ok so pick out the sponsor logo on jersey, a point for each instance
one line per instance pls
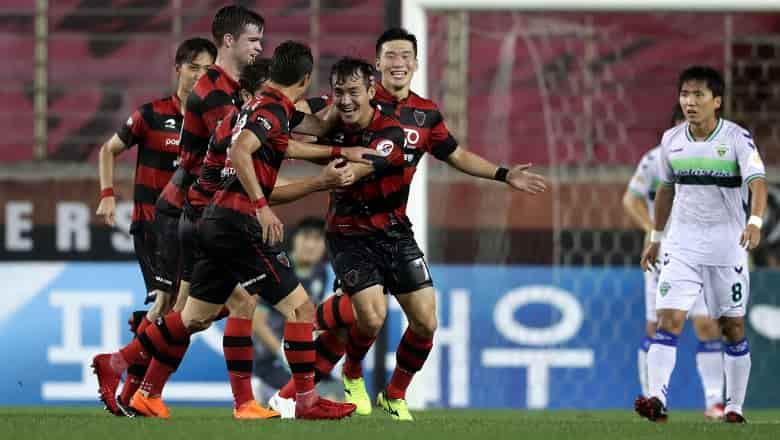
(663, 289)
(172, 141)
(412, 137)
(170, 123)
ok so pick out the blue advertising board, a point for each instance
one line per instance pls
(508, 337)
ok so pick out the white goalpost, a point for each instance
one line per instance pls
(413, 18)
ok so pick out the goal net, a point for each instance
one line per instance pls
(550, 292)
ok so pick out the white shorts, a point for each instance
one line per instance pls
(651, 290)
(725, 289)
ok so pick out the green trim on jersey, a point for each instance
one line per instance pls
(705, 164)
(709, 138)
(754, 177)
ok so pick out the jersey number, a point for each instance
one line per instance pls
(736, 292)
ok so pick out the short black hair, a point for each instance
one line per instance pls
(349, 67)
(189, 49)
(291, 62)
(232, 20)
(393, 34)
(707, 74)
(310, 224)
(677, 115)
(254, 75)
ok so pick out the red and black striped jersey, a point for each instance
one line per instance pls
(376, 201)
(154, 127)
(213, 96)
(423, 126)
(208, 182)
(210, 178)
(268, 117)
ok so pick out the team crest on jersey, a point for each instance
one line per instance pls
(281, 257)
(721, 150)
(419, 117)
(663, 289)
(384, 147)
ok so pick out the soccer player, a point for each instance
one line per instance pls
(239, 239)
(425, 132)
(154, 127)
(238, 33)
(307, 252)
(712, 173)
(638, 203)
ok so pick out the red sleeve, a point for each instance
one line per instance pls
(134, 129)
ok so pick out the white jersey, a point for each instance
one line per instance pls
(711, 198)
(645, 181)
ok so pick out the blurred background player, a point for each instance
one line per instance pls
(307, 252)
(638, 202)
(712, 173)
(154, 127)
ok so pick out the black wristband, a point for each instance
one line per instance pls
(501, 174)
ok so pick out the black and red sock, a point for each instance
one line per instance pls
(300, 354)
(410, 357)
(137, 370)
(239, 357)
(167, 341)
(358, 345)
(335, 312)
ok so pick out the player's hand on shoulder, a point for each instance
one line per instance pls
(107, 209)
(649, 259)
(521, 179)
(751, 237)
(273, 229)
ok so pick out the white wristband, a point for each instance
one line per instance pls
(755, 221)
(656, 236)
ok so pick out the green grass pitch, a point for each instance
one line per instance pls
(50, 423)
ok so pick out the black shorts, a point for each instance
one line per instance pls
(389, 258)
(232, 252)
(188, 243)
(145, 244)
(168, 250)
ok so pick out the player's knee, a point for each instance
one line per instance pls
(671, 322)
(424, 327)
(371, 323)
(733, 329)
(198, 324)
(305, 312)
(650, 328)
(242, 307)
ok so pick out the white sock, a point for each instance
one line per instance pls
(709, 362)
(660, 363)
(737, 366)
(641, 364)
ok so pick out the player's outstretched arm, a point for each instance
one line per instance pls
(317, 153)
(331, 176)
(636, 208)
(664, 198)
(751, 236)
(107, 206)
(241, 155)
(477, 166)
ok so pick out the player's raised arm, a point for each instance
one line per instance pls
(516, 177)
